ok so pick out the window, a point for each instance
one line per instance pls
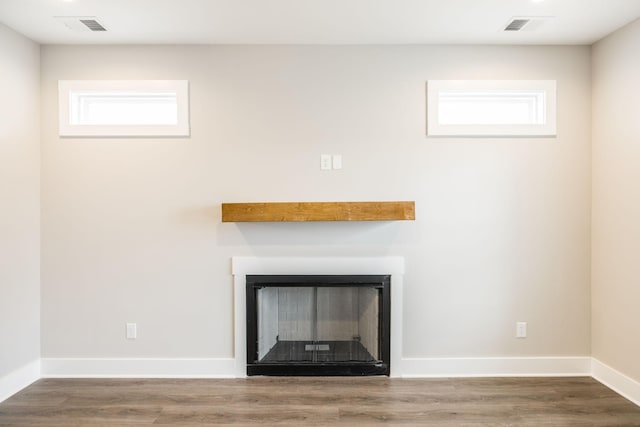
(491, 108)
(124, 107)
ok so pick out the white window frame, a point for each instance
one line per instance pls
(547, 127)
(66, 88)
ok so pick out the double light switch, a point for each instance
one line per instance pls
(329, 161)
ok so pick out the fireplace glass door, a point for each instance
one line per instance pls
(324, 324)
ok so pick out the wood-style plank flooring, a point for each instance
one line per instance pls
(319, 401)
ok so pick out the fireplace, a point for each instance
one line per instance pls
(243, 267)
(318, 324)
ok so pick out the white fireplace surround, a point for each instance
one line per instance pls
(242, 266)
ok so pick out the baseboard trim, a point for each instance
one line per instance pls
(409, 368)
(617, 381)
(18, 379)
(496, 367)
(137, 368)
(225, 367)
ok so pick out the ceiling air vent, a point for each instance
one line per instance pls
(526, 23)
(93, 25)
(81, 23)
(517, 24)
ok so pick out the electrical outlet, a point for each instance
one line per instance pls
(521, 329)
(132, 332)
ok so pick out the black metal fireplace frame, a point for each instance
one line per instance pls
(382, 367)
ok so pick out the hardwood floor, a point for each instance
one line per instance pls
(319, 401)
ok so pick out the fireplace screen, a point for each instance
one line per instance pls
(318, 325)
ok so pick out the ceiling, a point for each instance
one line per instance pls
(319, 21)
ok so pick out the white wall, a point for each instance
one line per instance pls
(131, 227)
(19, 204)
(616, 201)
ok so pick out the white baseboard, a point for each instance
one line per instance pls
(138, 368)
(225, 368)
(409, 368)
(16, 380)
(496, 367)
(616, 381)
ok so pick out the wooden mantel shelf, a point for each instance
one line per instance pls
(318, 211)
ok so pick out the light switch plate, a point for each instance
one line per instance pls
(337, 161)
(325, 162)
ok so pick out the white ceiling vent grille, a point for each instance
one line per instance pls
(517, 24)
(93, 25)
(81, 23)
(526, 23)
